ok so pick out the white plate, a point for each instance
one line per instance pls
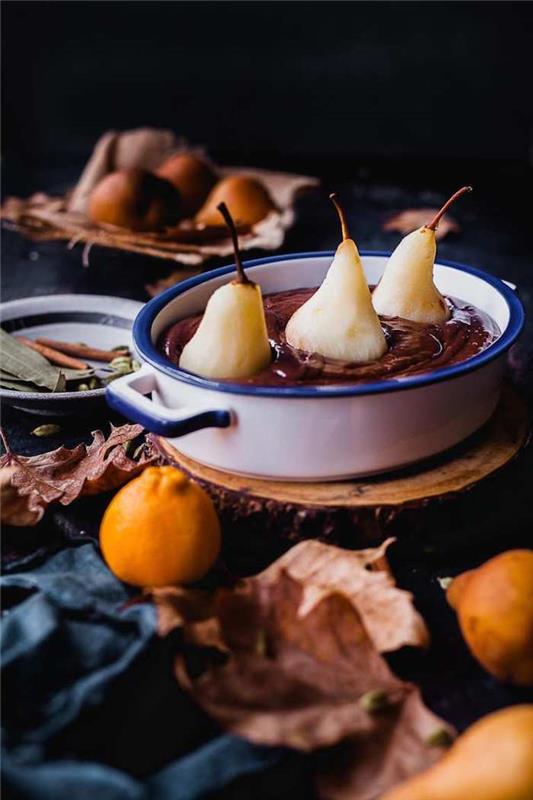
(100, 321)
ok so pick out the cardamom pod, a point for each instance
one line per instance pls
(46, 430)
(128, 448)
(138, 452)
(440, 738)
(374, 701)
(120, 362)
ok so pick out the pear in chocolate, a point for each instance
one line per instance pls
(406, 288)
(134, 199)
(247, 200)
(192, 176)
(231, 341)
(339, 321)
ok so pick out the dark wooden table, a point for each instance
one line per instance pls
(495, 237)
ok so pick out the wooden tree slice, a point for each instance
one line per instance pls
(457, 470)
(359, 512)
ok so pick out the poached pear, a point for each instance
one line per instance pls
(407, 289)
(231, 340)
(247, 200)
(339, 321)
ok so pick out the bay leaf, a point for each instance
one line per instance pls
(8, 375)
(70, 374)
(27, 365)
(15, 385)
(10, 381)
(77, 374)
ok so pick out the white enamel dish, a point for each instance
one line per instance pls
(324, 432)
(101, 321)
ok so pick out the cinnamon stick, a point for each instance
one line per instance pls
(54, 356)
(82, 350)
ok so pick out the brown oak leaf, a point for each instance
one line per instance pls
(306, 682)
(14, 507)
(291, 657)
(362, 576)
(63, 475)
(177, 606)
(413, 218)
(363, 768)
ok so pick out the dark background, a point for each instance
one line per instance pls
(393, 104)
(351, 80)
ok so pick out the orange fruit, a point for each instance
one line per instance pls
(160, 529)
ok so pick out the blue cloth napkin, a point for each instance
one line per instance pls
(71, 645)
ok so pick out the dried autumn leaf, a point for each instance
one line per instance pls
(290, 657)
(413, 218)
(107, 465)
(163, 283)
(362, 768)
(302, 682)
(14, 507)
(363, 577)
(177, 607)
(62, 475)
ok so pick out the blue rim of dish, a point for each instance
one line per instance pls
(142, 338)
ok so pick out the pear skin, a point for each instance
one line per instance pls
(494, 605)
(231, 341)
(136, 200)
(492, 760)
(407, 289)
(339, 321)
(247, 200)
(192, 176)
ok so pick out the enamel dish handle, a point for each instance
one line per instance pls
(127, 396)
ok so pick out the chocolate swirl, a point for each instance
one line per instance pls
(413, 348)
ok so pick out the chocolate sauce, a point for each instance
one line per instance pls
(413, 347)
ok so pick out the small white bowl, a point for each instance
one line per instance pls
(315, 433)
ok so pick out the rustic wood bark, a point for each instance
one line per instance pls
(361, 512)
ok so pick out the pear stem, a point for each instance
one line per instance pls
(342, 216)
(228, 219)
(439, 215)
